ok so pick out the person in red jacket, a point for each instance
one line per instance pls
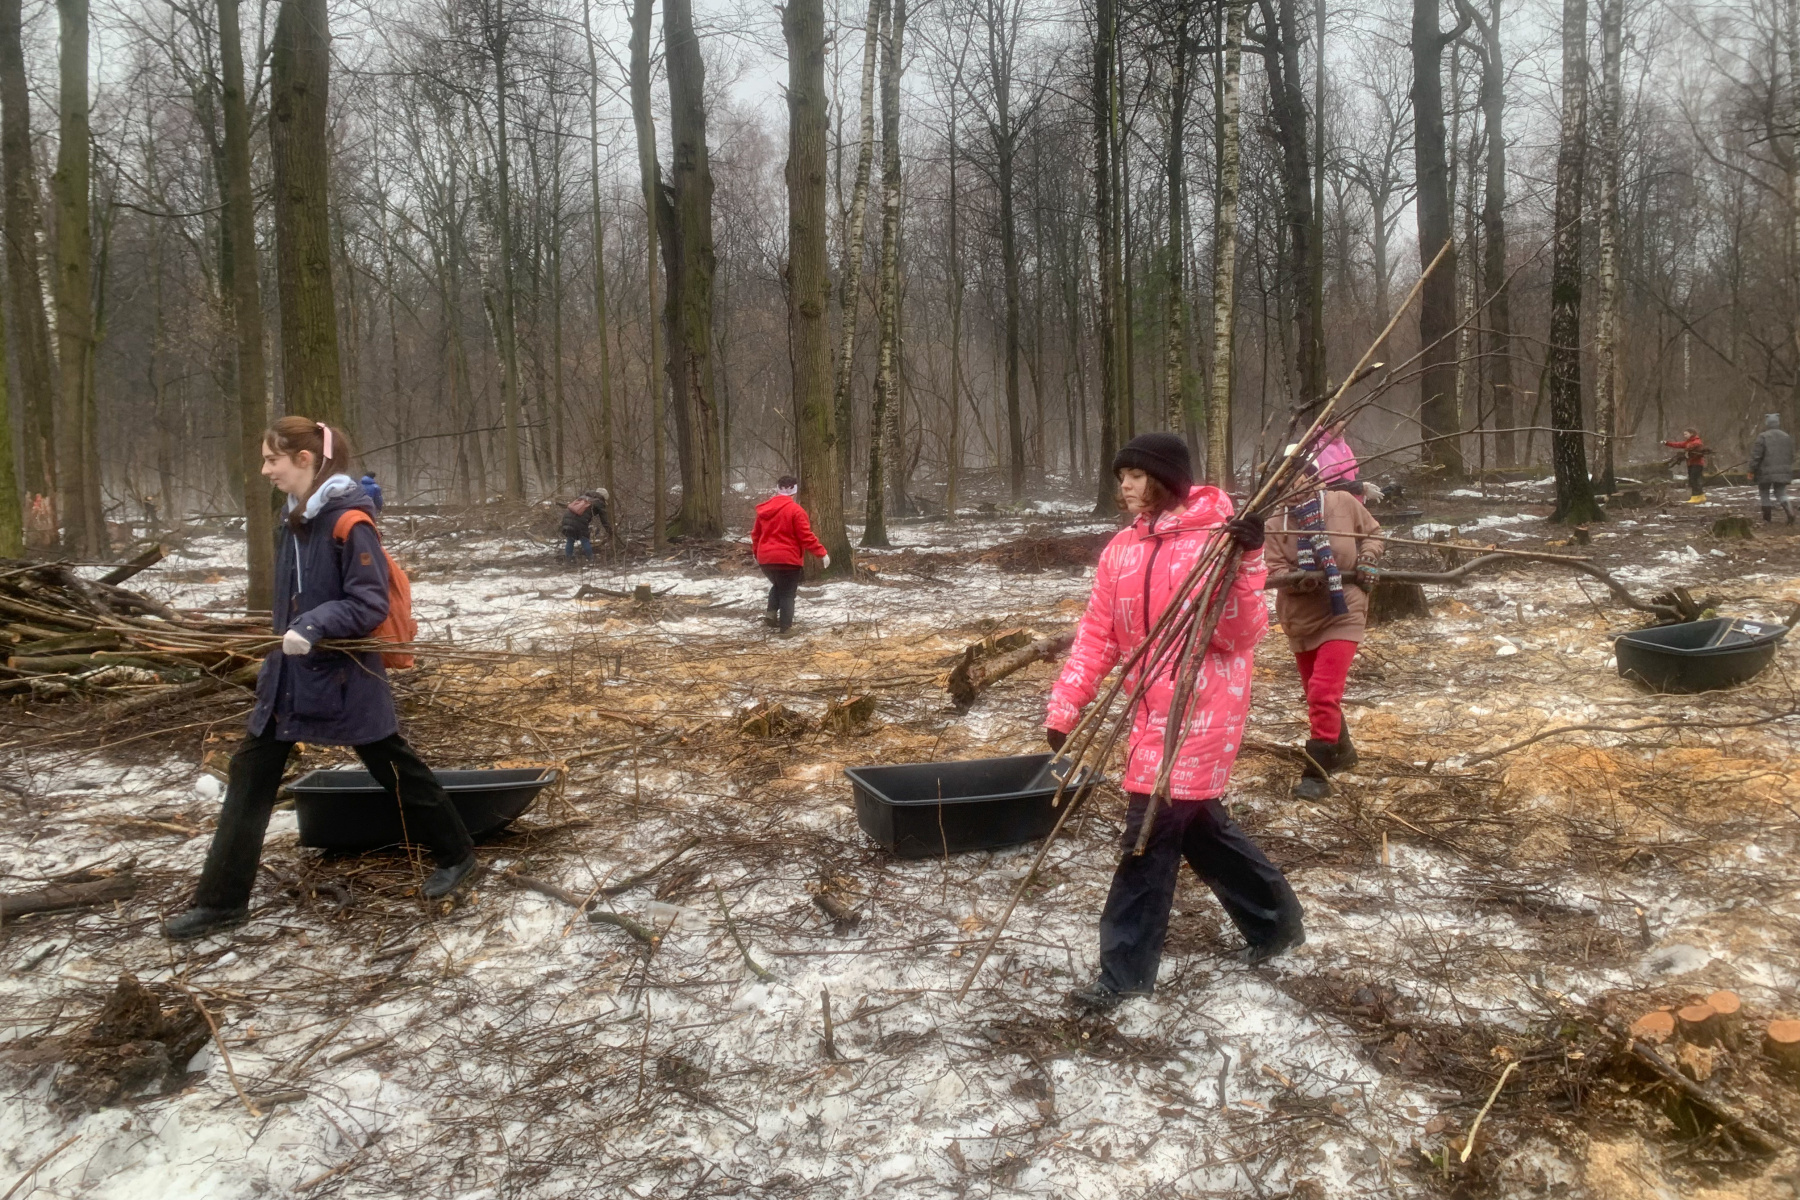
(781, 539)
(1695, 451)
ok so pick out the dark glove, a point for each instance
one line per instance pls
(1246, 531)
(1056, 738)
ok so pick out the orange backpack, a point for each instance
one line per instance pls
(399, 625)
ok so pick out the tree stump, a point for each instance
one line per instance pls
(1391, 601)
(1781, 1042)
(1699, 1024)
(1739, 528)
(849, 714)
(642, 593)
(1654, 1028)
(1731, 1012)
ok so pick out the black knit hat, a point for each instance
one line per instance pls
(1163, 457)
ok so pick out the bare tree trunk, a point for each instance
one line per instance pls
(1609, 386)
(606, 381)
(1001, 25)
(650, 174)
(1224, 298)
(1105, 225)
(1287, 101)
(84, 530)
(498, 35)
(1175, 264)
(299, 72)
(691, 291)
(809, 279)
(957, 287)
(246, 312)
(887, 309)
(1498, 313)
(24, 275)
(1562, 367)
(1437, 299)
(851, 261)
(1793, 181)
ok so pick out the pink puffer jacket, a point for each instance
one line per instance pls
(1138, 570)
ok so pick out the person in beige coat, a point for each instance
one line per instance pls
(1328, 538)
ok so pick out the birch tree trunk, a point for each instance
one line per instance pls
(1562, 366)
(809, 280)
(850, 263)
(1105, 226)
(499, 34)
(246, 311)
(24, 273)
(691, 290)
(84, 529)
(606, 381)
(887, 308)
(650, 175)
(956, 304)
(1224, 298)
(299, 73)
(1609, 386)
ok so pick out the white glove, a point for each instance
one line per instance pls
(825, 562)
(293, 643)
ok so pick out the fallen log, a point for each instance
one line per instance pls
(59, 897)
(975, 674)
(1456, 575)
(142, 562)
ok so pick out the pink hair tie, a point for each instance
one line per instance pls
(326, 431)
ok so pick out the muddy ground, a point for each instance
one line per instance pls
(1480, 912)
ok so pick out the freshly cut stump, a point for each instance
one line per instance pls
(1699, 1024)
(1394, 601)
(1730, 1008)
(1782, 1043)
(1654, 1028)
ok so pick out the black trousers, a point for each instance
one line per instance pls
(1254, 892)
(784, 582)
(1696, 479)
(429, 816)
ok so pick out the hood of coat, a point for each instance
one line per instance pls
(777, 502)
(331, 489)
(1207, 508)
(1772, 421)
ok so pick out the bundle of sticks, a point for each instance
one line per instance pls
(60, 632)
(1176, 645)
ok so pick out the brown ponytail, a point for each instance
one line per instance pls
(290, 436)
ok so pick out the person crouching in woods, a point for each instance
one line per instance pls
(578, 523)
(331, 581)
(1694, 451)
(1139, 571)
(781, 538)
(1327, 537)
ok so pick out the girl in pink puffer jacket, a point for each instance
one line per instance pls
(1138, 572)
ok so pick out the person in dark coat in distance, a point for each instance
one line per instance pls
(325, 588)
(578, 522)
(1772, 466)
(373, 490)
(781, 538)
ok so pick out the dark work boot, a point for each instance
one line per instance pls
(1291, 936)
(1346, 750)
(199, 922)
(1768, 513)
(1321, 760)
(445, 880)
(1096, 997)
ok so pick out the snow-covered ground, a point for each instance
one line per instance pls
(499, 1048)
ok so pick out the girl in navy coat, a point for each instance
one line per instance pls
(324, 588)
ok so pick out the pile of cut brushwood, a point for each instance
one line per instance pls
(65, 635)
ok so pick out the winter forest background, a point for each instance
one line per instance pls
(1070, 180)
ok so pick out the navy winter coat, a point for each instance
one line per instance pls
(328, 589)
